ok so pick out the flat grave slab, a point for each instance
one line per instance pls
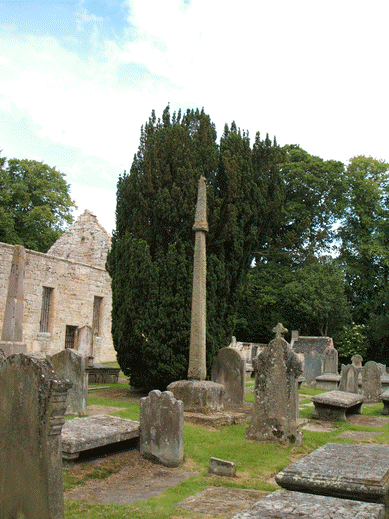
(82, 434)
(222, 501)
(296, 505)
(216, 419)
(336, 405)
(341, 470)
(368, 421)
(359, 435)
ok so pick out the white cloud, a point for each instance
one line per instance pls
(311, 73)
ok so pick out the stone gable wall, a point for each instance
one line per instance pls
(86, 241)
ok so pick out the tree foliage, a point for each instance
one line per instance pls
(265, 203)
(35, 204)
(364, 251)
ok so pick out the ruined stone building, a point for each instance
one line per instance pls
(60, 299)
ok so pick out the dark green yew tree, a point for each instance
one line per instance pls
(151, 260)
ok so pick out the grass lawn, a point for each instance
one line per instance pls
(256, 462)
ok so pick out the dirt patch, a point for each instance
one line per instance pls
(93, 410)
(135, 479)
(359, 435)
(368, 421)
(126, 393)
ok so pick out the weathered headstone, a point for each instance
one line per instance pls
(382, 368)
(85, 341)
(32, 404)
(12, 332)
(277, 369)
(229, 369)
(356, 361)
(71, 365)
(349, 379)
(330, 360)
(341, 470)
(297, 505)
(162, 428)
(313, 362)
(371, 382)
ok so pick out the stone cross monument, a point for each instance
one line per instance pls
(197, 365)
(198, 394)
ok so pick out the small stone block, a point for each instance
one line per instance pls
(335, 405)
(82, 434)
(296, 505)
(222, 467)
(341, 470)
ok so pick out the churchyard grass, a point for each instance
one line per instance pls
(256, 462)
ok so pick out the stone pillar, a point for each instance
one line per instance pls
(12, 334)
(197, 364)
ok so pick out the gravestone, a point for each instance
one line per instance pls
(277, 369)
(85, 341)
(229, 369)
(382, 368)
(341, 470)
(70, 365)
(330, 360)
(313, 362)
(356, 361)
(296, 505)
(349, 379)
(162, 428)
(32, 405)
(371, 382)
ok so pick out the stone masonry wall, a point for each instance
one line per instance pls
(74, 284)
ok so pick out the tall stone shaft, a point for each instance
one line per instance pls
(197, 365)
(13, 315)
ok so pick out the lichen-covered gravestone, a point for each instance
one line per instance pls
(32, 405)
(277, 369)
(371, 382)
(349, 379)
(330, 360)
(229, 369)
(356, 361)
(70, 365)
(313, 365)
(162, 428)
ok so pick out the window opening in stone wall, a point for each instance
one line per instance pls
(96, 315)
(45, 311)
(70, 336)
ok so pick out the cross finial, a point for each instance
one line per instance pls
(279, 330)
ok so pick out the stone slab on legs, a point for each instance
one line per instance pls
(336, 405)
(341, 470)
(82, 434)
(385, 400)
(328, 381)
(296, 505)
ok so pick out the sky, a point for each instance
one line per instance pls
(78, 79)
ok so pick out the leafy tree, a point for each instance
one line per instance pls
(307, 296)
(350, 341)
(364, 251)
(259, 207)
(35, 204)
